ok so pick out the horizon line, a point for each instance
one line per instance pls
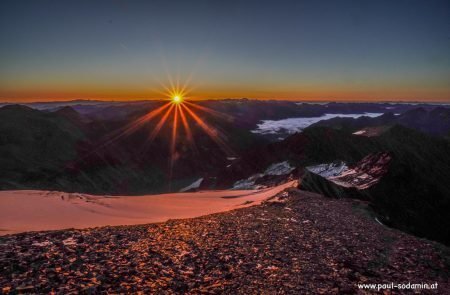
(106, 100)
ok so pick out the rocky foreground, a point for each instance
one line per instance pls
(296, 243)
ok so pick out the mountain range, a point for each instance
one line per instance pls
(398, 162)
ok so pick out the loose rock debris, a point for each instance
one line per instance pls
(297, 243)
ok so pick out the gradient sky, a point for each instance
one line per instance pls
(302, 50)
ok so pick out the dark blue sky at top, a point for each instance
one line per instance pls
(257, 47)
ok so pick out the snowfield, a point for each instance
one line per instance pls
(31, 210)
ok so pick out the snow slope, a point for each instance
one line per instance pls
(364, 174)
(31, 210)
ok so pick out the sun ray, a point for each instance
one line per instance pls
(185, 88)
(164, 93)
(161, 123)
(182, 112)
(174, 129)
(132, 127)
(126, 130)
(187, 129)
(210, 111)
(177, 80)
(156, 130)
(211, 132)
(173, 141)
(166, 69)
(198, 63)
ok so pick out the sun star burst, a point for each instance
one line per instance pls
(178, 109)
(177, 99)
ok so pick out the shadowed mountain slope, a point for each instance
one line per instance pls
(412, 195)
(34, 145)
(64, 150)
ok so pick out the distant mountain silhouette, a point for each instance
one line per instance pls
(433, 121)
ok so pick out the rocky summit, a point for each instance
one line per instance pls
(296, 243)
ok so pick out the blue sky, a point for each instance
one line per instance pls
(341, 50)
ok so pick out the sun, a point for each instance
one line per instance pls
(184, 113)
(177, 99)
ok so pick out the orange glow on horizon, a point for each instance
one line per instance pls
(308, 93)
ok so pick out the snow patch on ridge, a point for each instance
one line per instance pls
(281, 168)
(363, 175)
(328, 170)
(359, 132)
(194, 185)
(371, 131)
(277, 169)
